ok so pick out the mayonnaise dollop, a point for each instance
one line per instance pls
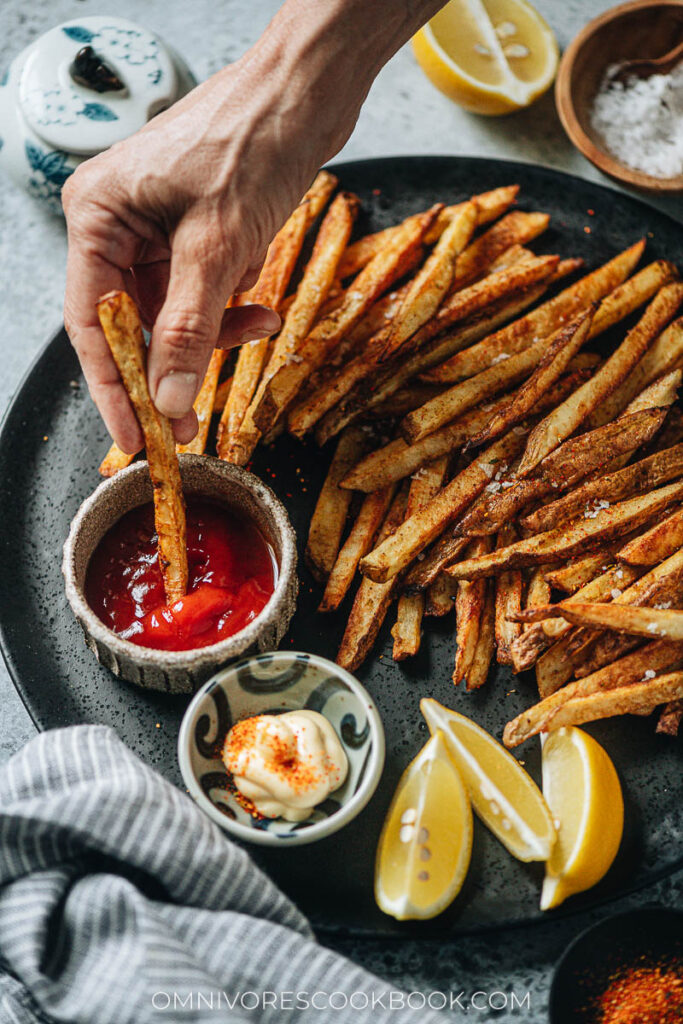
(285, 764)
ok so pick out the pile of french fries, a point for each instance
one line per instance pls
(488, 458)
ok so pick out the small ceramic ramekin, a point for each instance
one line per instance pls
(181, 671)
(272, 684)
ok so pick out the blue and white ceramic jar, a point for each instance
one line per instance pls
(77, 90)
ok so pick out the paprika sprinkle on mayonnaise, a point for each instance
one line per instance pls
(231, 576)
(285, 765)
(649, 994)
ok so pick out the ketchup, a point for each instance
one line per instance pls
(232, 574)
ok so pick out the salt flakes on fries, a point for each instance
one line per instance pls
(503, 467)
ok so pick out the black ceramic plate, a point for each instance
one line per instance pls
(52, 442)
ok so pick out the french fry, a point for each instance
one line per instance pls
(670, 718)
(358, 543)
(413, 536)
(605, 587)
(204, 404)
(574, 410)
(269, 290)
(508, 602)
(483, 655)
(394, 375)
(635, 699)
(652, 658)
(547, 547)
(120, 322)
(470, 601)
(515, 228)
(115, 460)
(427, 570)
(633, 620)
(490, 206)
(440, 596)
(581, 570)
(555, 667)
(431, 283)
(389, 264)
(636, 478)
(315, 285)
(528, 647)
(542, 321)
(538, 590)
(331, 510)
(561, 347)
(656, 544)
(221, 396)
(371, 603)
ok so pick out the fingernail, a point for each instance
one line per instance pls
(175, 393)
(253, 335)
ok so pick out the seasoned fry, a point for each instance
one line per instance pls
(389, 264)
(670, 718)
(425, 526)
(652, 658)
(548, 547)
(542, 321)
(528, 647)
(656, 544)
(426, 571)
(607, 586)
(269, 290)
(441, 596)
(490, 206)
(635, 699)
(358, 543)
(514, 228)
(470, 601)
(554, 667)
(567, 417)
(508, 602)
(631, 619)
(120, 322)
(483, 654)
(538, 590)
(115, 460)
(636, 478)
(329, 517)
(561, 347)
(407, 630)
(204, 404)
(315, 285)
(221, 396)
(371, 603)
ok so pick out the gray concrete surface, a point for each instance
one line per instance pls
(403, 114)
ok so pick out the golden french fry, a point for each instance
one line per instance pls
(427, 570)
(515, 228)
(358, 543)
(470, 601)
(656, 544)
(548, 547)
(407, 630)
(221, 396)
(490, 206)
(631, 619)
(386, 267)
(567, 417)
(115, 460)
(483, 654)
(508, 602)
(670, 718)
(652, 659)
(329, 517)
(538, 590)
(635, 699)
(204, 404)
(413, 536)
(440, 596)
(371, 603)
(120, 322)
(561, 347)
(542, 321)
(312, 292)
(555, 667)
(581, 570)
(269, 290)
(607, 586)
(528, 647)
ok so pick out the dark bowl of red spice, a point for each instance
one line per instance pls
(627, 969)
(242, 575)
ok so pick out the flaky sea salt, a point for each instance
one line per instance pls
(641, 121)
(650, 674)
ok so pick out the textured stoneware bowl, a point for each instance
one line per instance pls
(271, 684)
(181, 671)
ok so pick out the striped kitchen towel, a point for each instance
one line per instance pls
(121, 902)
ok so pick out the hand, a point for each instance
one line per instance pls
(180, 215)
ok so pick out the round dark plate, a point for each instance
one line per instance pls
(644, 937)
(51, 444)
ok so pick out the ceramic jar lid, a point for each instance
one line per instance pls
(90, 83)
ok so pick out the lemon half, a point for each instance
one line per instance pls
(426, 842)
(490, 56)
(583, 791)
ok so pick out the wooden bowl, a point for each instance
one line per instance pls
(645, 28)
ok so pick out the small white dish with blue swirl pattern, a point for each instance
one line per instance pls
(272, 684)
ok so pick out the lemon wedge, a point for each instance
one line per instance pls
(490, 56)
(504, 796)
(426, 842)
(582, 788)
